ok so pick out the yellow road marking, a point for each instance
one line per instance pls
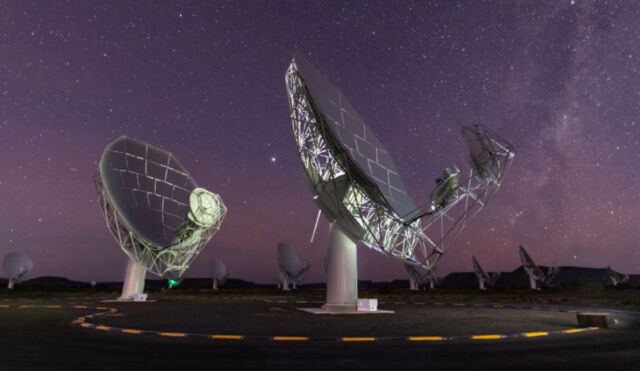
(86, 325)
(173, 334)
(573, 330)
(426, 338)
(103, 328)
(486, 337)
(358, 339)
(227, 337)
(130, 331)
(81, 307)
(5, 306)
(535, 334)
(290, 338)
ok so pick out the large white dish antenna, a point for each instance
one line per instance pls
(16, 266)
(359, 189)
(155, 211)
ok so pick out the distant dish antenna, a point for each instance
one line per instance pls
(219, 272)
(484, 279)
(418, 277)
(358, 187)
(16, 267)
(292, 269)
(616, 278)
(535, 273)
(155, 211)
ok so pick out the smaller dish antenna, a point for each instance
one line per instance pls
(616, 278)
(484, 279)
(292, 268)
(420, 277)
(535, 273)
(219, 272)
(16, 267)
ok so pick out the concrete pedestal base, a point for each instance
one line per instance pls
(335, 310)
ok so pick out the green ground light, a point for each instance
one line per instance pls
(173, 283)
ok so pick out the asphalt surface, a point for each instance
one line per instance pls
(41, 338)
(275, 318)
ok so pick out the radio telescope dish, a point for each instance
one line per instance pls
(16, 267)
(358, 187)
(616, 278)
(155, 211)
(535, 273)
(219, 272)
(292, 268)
(418, 277)
(484, 279)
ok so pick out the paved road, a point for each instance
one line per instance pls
(43, 339)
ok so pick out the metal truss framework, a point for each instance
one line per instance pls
(174, 259)
(419, 241)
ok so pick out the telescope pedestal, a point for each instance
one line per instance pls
(342, 272)
(342, 276)
(133, 284)
(285, 284)
(533, 283)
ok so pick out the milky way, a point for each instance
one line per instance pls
(205, 80)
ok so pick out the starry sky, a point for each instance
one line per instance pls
(205, 80)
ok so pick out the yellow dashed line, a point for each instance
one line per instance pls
(358, 339)
(426, 338)
(573, 330)
(535, 334)
(81, 321)
(227, 337)
(5, 306)
(130, 331)
(173, 334)
(486, 337)
(290, 338)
